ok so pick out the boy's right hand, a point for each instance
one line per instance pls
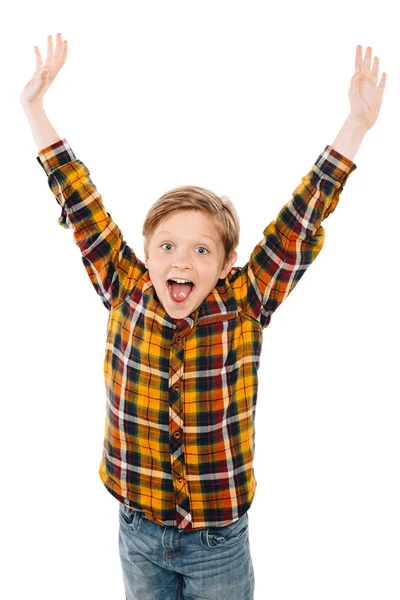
(42, 78)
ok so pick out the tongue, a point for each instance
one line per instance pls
(180, 291)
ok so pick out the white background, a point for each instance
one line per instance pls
(239, 97)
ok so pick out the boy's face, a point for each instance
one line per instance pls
(186, 245)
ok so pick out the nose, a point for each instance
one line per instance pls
(181, 261)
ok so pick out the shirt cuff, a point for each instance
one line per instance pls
(55, 155)
(333, 165)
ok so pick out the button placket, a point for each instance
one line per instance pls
(178, 467)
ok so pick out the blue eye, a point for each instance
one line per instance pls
(205, 251)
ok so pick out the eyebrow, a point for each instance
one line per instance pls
(200, 234)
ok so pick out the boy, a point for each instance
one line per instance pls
(183, 346)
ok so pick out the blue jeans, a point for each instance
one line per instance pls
(164, 563)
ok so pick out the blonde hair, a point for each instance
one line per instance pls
(189, 197)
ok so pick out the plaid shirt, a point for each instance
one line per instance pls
(181, 393)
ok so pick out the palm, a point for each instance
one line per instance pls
(364, 94)
(36, 88)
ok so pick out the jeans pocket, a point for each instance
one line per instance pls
(129, 518)
(230, 535)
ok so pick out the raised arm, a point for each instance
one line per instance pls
(112, 266)
(295, 238)
(365, 103)
(33, 93)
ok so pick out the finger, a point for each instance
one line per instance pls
(39, 60)
(367, 60)
(375, 70)
(61, 52)
(58, 45)
(358, 58)
(64, 50)
(50, 51)
(382, 84)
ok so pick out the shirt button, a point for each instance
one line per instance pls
(180, 478)
(177, 434)
(178, 340)
(176, 387)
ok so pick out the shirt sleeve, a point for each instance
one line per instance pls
(112, 266)
(293, 241)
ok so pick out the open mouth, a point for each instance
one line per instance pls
(180, 292)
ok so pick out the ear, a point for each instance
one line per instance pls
(145, 256)
(228, 266)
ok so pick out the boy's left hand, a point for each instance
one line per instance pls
(365, 96)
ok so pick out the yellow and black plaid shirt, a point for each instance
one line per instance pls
(181, 393)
